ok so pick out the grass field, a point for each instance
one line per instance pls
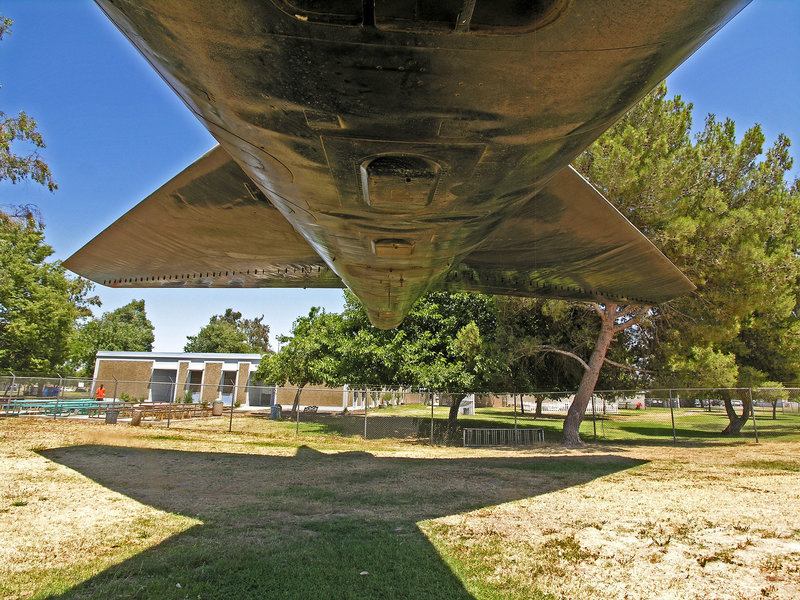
(95, 511)
(653, 426)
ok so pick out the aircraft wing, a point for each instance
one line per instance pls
(570, 242)
(209, 226)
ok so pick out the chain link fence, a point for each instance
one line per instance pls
(412, 414)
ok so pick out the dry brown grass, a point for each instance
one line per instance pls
(713, 523)
(688, 524)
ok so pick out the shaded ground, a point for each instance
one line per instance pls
(95, 511)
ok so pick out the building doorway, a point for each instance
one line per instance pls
(162, 385)
(226, 386)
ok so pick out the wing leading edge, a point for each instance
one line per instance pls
(210, 226)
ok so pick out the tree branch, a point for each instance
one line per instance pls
(638, 316)
(584, 364)
(627, 368)
(624, 312)
(597, 309)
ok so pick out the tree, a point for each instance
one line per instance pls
(307, 356)
(39, 303)
(16, 130)
(614, 319)
(125, 329)
(772, 392)
(230, 333)
(540, 343)
(721, 209)
(445, 344)
(257, 334)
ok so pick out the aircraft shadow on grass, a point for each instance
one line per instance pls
(308, 523)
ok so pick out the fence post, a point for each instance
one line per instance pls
(515, 417)
(10, 387)
(365, 415)
(753, 414)
(430, 396)
(233, 402)
(115, 391)
(672, 416)
(594, 419)
(55, 410)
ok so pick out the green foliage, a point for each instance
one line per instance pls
(125, 329)
(217, 336)
(444, 343)
(720, 208)
(705, 367)
(123, 397)
(5, 25)
(526, 325)
(308, 355)
(230, 333)
(21, 129)
(39, 303)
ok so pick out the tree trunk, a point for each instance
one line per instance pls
(774, 410)
(539, 401)
(521, 405)
(296, 405)
(570, 435)
(736, 422)
(455, 403)
(452, 416)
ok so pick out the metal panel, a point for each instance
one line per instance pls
(570, 242)
(285, 91)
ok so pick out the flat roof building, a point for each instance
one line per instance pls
(180, 377)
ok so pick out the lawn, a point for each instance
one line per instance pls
(652, 426)
(89, 510)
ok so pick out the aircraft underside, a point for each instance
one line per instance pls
(395, 148)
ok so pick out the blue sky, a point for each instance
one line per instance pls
(115, 133)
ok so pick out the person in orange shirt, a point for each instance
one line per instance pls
(100, 393)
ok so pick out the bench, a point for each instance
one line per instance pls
(502, 436)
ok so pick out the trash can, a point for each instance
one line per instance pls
(136, 418)
(111, 416)
(275, 412)
(216, 408)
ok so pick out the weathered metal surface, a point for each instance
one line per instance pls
(569, 242)
(209, 226)
(397, 142)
